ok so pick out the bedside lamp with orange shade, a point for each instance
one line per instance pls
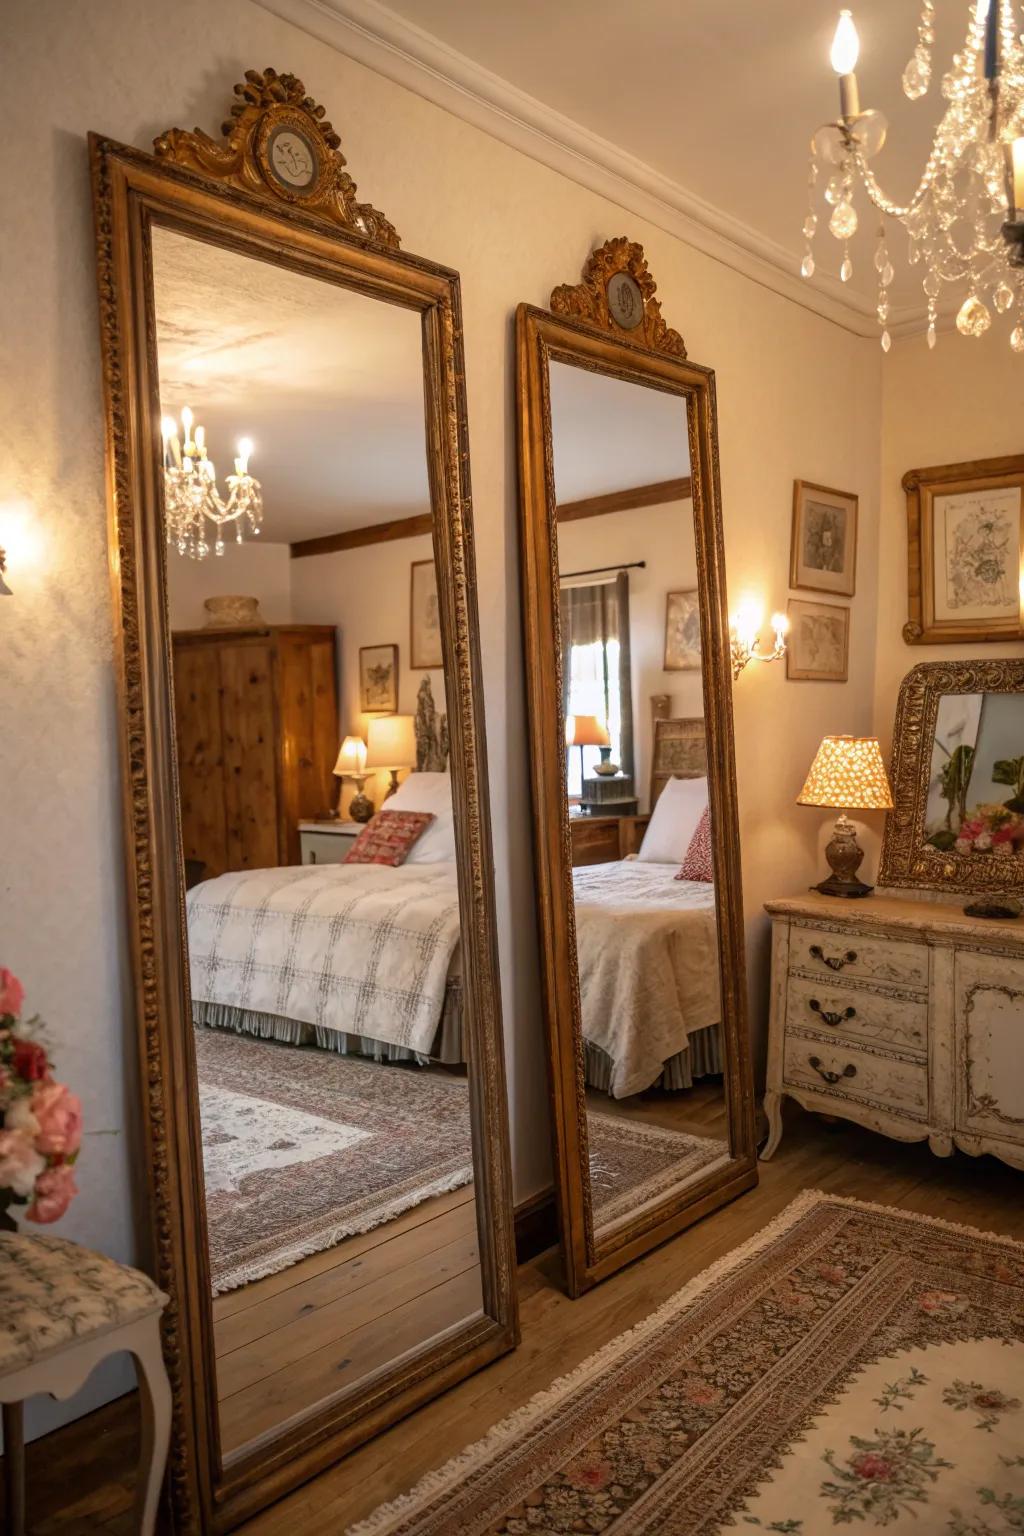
(391, 746)
(847, 775)
(585, 731)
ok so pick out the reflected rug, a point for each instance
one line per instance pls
(850, 1365)
(632, 1164)
(302, 1147)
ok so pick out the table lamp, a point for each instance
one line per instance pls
(848, 775)
(585, 731)
(391, 745)
(351, 764)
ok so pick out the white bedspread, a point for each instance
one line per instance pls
(648, 962)
(360, 948)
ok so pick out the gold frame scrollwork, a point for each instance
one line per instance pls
(581, 331)
(906, 860)
(215, 194)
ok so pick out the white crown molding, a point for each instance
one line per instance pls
(403, 52)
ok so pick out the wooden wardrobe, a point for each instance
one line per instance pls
(256, 712)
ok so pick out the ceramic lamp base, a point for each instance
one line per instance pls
(844, 855)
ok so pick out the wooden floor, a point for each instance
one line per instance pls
(299, 1337)
(700, 1111)
(92, 1456)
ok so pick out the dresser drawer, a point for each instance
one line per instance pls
(820, 951)
(857, 1013)
(852, 1072)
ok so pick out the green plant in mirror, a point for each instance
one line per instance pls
(1010, 770)
(954, 781)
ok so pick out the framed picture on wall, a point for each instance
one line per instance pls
(425, 617)
(378, 679)
(682, 632)
(818, 647)
(965, 547)
(823, 549)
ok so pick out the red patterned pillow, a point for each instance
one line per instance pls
(389, 837)
(699, 863)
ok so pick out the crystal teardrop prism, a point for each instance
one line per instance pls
(886, 341)
(807, 266)
(1017, 338)
(834, 189)
(931, 335)
(846, 270)
(917, 77)
(974, 318)
(887, 274)
(1003, 297)
(810, 225)
(843, 222)
(881, 258)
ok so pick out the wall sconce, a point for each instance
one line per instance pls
(744, 633)
(5, 590)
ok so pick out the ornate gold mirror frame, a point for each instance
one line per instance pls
(233, 195)
(583, 330)
(907, 860)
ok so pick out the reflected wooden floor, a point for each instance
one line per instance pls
(696, 1111)
(285, 1343)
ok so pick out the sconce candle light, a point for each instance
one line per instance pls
(745, 631)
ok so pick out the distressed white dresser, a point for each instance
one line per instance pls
(903, 1015)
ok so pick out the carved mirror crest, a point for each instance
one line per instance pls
(652, 1097)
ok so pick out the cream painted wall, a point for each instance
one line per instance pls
(798, 396)
(663, 536)
(963, 401)
(365, 593)
(249, 569)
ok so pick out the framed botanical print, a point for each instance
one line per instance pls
(682, 632)
(823, 551)
(425, 617)
(378, 679)
(818, 648)
(965, 547)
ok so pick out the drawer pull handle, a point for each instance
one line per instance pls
(832, 1077)
(834, 962)
(831, 1018)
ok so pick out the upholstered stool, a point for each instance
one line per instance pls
(62, 1310)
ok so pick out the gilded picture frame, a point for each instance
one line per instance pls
(965, 549)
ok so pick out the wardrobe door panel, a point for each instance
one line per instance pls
(250, 756)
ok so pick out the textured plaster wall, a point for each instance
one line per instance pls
(797, 397)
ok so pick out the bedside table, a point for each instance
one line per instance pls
(327, 842)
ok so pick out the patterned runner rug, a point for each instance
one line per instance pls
(850, 1365)
(632, 1164)
(302, 1147)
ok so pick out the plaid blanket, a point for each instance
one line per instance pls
(356, 947)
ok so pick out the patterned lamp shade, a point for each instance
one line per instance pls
(848, 774)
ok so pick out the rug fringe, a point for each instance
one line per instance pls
(260, 1269)
(387, 1516)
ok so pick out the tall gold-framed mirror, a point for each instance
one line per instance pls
(323, 1094)
(634, 799)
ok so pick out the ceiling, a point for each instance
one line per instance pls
(328, 384)
(721, 99)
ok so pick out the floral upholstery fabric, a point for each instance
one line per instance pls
(54, 1293)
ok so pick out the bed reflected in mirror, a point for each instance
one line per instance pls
(643, 875)
(323, 920)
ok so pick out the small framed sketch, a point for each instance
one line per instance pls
(378, 679)
(965, 526)
(818, 648)
(823, 551)
(682, 632)
(425, 618)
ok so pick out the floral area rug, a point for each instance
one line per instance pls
(302, 1147)
(633, 1164)
(851, 1365)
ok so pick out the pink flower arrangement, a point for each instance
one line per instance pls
(990, 829)
(40, 1119)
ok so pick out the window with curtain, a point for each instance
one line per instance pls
(596, 669)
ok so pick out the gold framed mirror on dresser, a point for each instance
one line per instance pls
(326, 1138)
(623, 586)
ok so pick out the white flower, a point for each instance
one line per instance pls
(963, 845)
(983, 842)
(19, 1116)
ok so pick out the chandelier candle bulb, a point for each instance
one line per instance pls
(845, 52)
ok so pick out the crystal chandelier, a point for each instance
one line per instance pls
(965, 221)
(191, 498)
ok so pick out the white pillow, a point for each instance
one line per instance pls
(428, 792)
(673, 822)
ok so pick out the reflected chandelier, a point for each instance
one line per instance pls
(191, 498)
(965, 221)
